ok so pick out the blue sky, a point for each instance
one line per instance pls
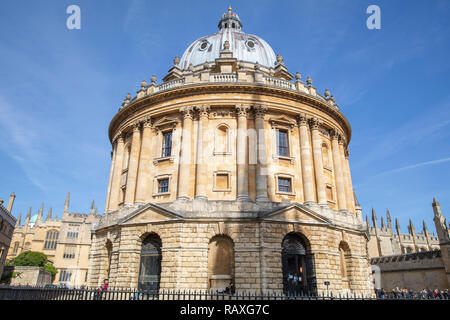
(59, 89)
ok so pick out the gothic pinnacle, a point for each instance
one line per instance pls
(66, 204)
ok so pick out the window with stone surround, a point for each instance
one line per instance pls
(282, 143)
(329, 191)
(167, 144)
(284, 184)
(16, 247)
(162, 185)
(65, 275)
(72, 231)
(51, 240)
(69, 252)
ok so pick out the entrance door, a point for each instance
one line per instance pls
(298, 274)
(150, 265)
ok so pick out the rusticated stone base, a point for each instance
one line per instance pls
(257, 236)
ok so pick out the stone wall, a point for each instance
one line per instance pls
(414, 271)
(33, 276)
(257, 254)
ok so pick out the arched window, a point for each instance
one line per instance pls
(51, 240)
(27, 246)
(325, 156)
(16, 247)
(408, 250)
(233, 25)
(344, 254)
(298, 265)
(221, 139)
(150, 264)
(220, 262)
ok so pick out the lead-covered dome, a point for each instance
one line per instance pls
(245, 47)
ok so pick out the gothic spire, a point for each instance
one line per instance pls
(66, 204)
(49, 215)
(18, 220)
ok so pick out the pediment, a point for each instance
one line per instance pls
(282, 120)
(165, 122)
(150, 213)
(296, 213)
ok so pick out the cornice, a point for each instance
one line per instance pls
(137, 105)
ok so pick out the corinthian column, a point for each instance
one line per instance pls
(143, 180)
(115, 186)
(338, 172)
(133, 164)
(261, 168)
(201, 179)
(241, 156)
(111, 170)
(185, 158)
(348, 181)
(318, 161)
(305, 154)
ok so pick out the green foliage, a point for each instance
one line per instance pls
(50, 268)
(30, 258)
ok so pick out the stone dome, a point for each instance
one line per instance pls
(245, 47)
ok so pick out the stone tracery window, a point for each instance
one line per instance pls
(51, 240)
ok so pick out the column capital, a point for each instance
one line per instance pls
(187, 112)
(260, 110)
(147, 122)
(136, 126)
(118, 137)
(314, 123)
(203, 110)
(302, 119)
(335, 135)
(242, 110)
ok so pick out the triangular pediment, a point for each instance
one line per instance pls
(166, 122)
(150, 213)
(296, 213)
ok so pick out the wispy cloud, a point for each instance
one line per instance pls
(413, 166)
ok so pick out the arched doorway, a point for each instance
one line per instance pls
(298, 266)
(150, 264)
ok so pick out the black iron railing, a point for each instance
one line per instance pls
(43, 293)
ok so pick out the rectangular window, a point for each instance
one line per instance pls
(16, 247)
(72, 232)
(284, 184)
(65, 275)
(163, 186)
(69, 252)
(167, 144)
(282, 143)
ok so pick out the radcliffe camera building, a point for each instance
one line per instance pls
(230, 170)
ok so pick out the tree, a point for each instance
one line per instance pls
(30, 258)
(50, 268)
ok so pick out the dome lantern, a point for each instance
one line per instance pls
(244, 47)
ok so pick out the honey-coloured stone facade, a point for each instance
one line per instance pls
(232, 154)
